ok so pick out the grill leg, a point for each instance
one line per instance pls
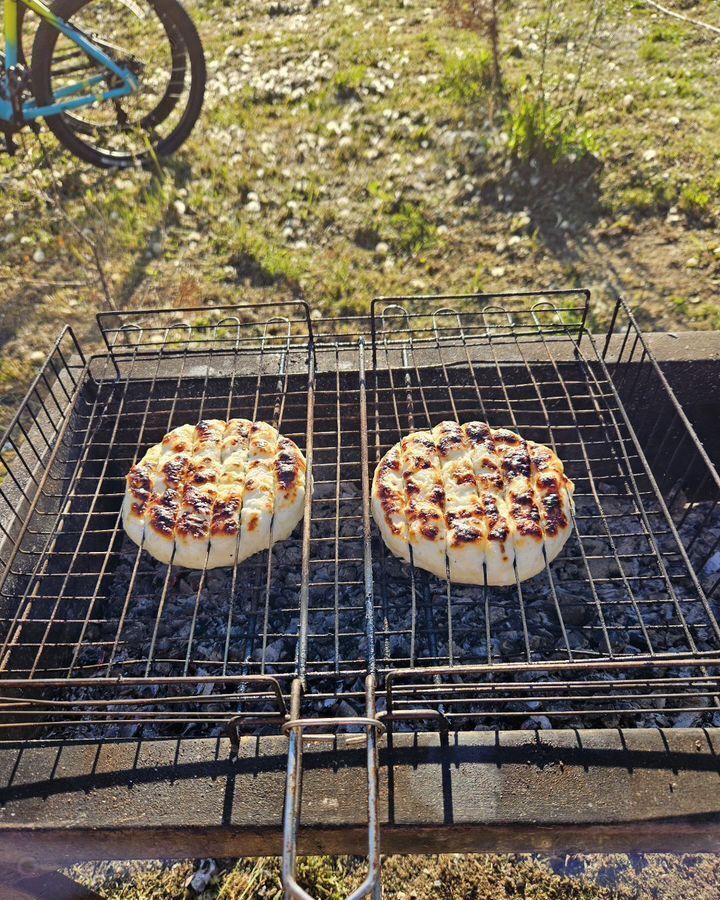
(14, 885)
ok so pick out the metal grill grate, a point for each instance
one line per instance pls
(96, 634)
(623, 592)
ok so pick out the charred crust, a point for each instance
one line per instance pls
(198, 475)
(478, 432)
(464, 533)
(507, 436)
(451, 439)
(430, 531)
(548, 481)
(411, 487)
(286, 468)
(555, 518)
(138, 481)
(529, 528)
(191, 525)
(517, 463)
(464, 478)
(423, 514)
(491, 508)
(163, 512)
(174, 469)
(437, 495)
(225, 516)
(253, 522)
(499, 533)
(205, 432)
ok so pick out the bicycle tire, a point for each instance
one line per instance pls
(62, 126)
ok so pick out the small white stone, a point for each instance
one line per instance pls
(497, 271)
(252, 196)
(8, 218)
(628, 101)
(692, 263)
(253, 206)
(382, 249)
(179, 207)
(37, 356)
(649, 155)
(673, 120)
(38, 256)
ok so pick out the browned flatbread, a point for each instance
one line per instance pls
(214, 493)
(477, 504)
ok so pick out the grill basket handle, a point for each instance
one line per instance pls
(293, 800)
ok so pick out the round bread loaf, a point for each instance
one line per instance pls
(214, 493)
(473, 503)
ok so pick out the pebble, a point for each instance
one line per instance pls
(37, 356)
(38, 256)
(649, 155)
(200, 880)
(253, 206)
(497, 271)
(692, 263)
(179, 207)
(382, 249)
(628, 101)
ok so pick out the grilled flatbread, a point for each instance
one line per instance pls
(214, 493)
(476, 504)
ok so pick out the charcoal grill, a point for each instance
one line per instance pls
(327, 641)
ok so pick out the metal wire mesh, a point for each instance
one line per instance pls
(623, 589)
(96, 633)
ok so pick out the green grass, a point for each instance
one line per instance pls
(427, 142)
(261, 261)
(467, 77)
(695, 203)
(413, 231)
(347, 82)
(537, 132)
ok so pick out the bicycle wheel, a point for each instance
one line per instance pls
(154, 38)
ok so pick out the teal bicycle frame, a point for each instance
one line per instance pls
(73, 96)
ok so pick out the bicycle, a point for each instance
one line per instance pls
(110, 105)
